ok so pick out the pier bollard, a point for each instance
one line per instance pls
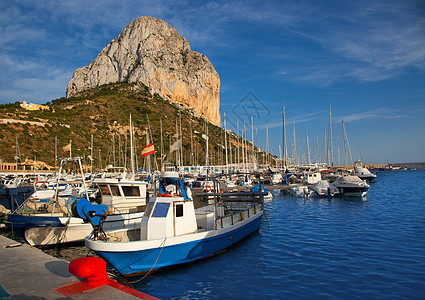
(92, 269)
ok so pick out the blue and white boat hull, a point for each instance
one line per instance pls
(143, 255)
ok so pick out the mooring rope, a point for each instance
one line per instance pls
(146, 275)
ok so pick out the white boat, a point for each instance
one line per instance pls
(350, 185)
(174, 232)
(276, 178)
(323, 189)
(362, 172)
(299, 191)
(312, 177)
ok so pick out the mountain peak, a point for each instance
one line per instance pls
(152, 52)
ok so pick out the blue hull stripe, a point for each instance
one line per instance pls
(128, 262)
(20, 223)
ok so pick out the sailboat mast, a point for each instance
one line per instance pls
(91, 154)
(252, 138)
(244, 146)
(230, 149)
(225, 143)
(317, 148)
(149, 163)
(345, 146)
(178, 150)
(239, 145)
(294, 152)
(206, 153)
(330, 138)
(181, 138)
(191, 142)
(348, 144)
(308, 147)
(56, 152)
(285, 151)
(119, 150)
(131, 149)
(162, 146)
(325, 159)
(113, 148)
(267, 142)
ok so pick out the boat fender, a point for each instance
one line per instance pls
(189, 193)
(91, 269)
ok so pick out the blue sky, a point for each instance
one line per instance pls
(365, 59)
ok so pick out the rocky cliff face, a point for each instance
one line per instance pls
(152, 52)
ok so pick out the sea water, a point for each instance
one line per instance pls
(340, 248)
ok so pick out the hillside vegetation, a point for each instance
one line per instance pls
(104, 113)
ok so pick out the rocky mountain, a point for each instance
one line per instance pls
(151, 52)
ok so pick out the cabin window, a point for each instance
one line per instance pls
(179, 210)
(115, 190)
(131, 191)
(104, 189)
(161, 210)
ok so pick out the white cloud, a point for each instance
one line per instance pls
(368, 41)
(380, 113)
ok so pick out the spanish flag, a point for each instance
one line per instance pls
(148, 150)
(67, 148)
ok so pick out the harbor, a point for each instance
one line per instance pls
(205, 150)
(307, 247)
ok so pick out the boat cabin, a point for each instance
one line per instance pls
(168, 217)
(123, 196)
(170, 214)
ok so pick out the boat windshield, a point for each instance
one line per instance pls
(161, 210)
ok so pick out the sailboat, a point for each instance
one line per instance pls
(349, 185)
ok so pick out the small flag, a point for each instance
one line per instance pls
(148, 150)
(176, 146)
(67, 148)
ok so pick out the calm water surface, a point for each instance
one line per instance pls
(370, 248)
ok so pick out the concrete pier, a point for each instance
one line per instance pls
(27, 272)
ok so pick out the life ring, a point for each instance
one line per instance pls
(164, 195)
(208, 188)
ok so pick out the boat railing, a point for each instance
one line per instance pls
(233, 207)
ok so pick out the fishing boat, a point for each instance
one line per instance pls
(47, 222)
(173, 232)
